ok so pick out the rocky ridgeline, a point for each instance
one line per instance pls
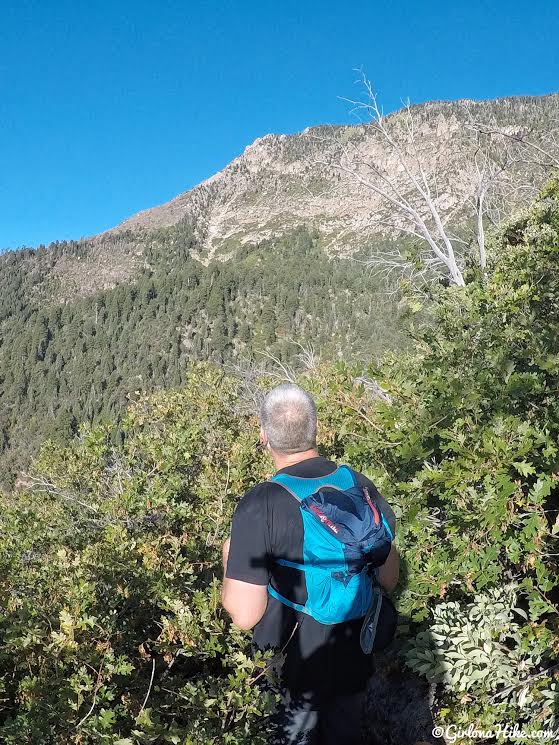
(284, 180)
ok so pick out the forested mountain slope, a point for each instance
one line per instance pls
(66, 362)
(253, 259)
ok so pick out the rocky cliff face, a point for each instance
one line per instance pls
(283, 180)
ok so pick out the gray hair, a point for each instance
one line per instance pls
(288, 418)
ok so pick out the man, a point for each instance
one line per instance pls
(324, 672)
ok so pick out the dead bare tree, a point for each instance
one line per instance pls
(414, 200)
(408, 191)
(502, 158)
(252, 376)
(492, 187)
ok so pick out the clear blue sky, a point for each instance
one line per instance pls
(107, 108)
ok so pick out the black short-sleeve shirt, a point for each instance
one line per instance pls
(267, 525)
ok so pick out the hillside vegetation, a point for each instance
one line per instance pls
(111, 630)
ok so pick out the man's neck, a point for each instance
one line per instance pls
(284, 460)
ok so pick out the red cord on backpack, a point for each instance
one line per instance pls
(371, 505)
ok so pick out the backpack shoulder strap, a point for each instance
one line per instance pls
(352, 473)
(283, 479)
(342, 478)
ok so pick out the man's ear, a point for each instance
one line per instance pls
(263, 438)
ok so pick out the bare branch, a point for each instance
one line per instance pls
(549, 158)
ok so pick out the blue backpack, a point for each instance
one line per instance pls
(345, 539)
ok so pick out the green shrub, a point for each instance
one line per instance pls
(111, 629)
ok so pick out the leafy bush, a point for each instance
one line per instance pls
(474, 645)
(469, 448)
(111, 625)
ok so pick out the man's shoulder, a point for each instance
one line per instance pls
(363, 480)
(254, 497)
(254, 500)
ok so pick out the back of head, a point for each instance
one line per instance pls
(288, 419)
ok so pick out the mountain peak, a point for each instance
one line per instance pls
(282, 180)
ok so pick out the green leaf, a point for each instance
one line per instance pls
(524, 468)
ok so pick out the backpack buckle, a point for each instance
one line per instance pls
(343, 577)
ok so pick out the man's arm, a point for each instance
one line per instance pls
(389, 572)
(244, 601)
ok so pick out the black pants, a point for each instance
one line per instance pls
(339, 721)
